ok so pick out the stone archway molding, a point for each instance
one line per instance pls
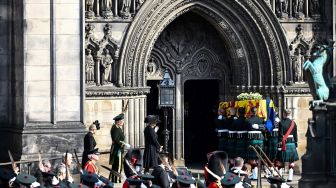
(263, 44)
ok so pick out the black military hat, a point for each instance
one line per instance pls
(133, 181)
(230, 179)
(146, 177)
(275, 180)
(185, 180)
(25, 179)
(152, 119)
(6, 175)
(89, 178)
(119, 117)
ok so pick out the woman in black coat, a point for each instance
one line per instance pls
(89, 144)
(152, 146)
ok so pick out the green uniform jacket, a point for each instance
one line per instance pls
(117, 135)
(284, 126)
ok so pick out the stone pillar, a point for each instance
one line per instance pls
(315, 163)
(130, 123)
(290, 11)
(137, 131)
(179, 143)
(142, 119)
(307, 9)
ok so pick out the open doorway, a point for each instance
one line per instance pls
(200, 110)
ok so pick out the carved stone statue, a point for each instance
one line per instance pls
(315, 7)
(320, 89)
(138, 4)
(89, 67)
(298, 9)
(105, 67)
(298, 60)
(151, 66)
(107, 9)
(89, 8)
(283, 8)
(125, 9)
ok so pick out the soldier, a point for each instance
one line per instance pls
(222, 131)
(232, 134)
(89, 143)
(24, 180)
(289, 139)
(5, 176)
(90, 165)
(117, 146)
(255, 136)
(241, 126)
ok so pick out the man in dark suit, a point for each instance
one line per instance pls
(117, 146)
(89, 144)
(160, 175)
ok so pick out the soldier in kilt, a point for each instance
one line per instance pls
(232, 134)
(241, 127)
(221, 129)
(272, 140)
(255, 135)
(288, 138)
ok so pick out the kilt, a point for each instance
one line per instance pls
(231, 144)
(291, 154)
(241, 144)
(272, 145)
(222, 135)
(254, 138)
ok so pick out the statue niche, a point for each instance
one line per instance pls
(89, 68)
(298, 9)
(105, 68)
(315, 9)
(297, 61)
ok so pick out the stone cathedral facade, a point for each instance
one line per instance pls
(67, 63)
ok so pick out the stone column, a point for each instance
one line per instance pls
(179, 157)
(130, 122)
(136, 122)
(307, 9)
(142, 109)
(290, 12)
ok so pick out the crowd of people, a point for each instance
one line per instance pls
(233, 165)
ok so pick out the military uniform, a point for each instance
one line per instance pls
(290, 154)
(272, 141)
(117, 148)
(255, 136)
(241, 128)
(232, 137)
(222, 132)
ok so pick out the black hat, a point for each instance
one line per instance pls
(25, 179)
(119, 117)
(89, 178)
(185, 180)
(6, 174)
(287, 111)
(275, 180)
(152, 119)
(215, 161)
(230, 179)
(146, 177)
(132, 181)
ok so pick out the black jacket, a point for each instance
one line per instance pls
(160, 177)
(89, 145)
(152, 148)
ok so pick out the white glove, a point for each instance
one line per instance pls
(55, 181)
(255, 126)
(35, 184)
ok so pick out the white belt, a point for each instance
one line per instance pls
(222, 130)
(232, 132)
(276, 129)
(254, 132)
(241, 132)
(290, 136)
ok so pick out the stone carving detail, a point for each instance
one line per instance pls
(100, 57)
(112, 9)
(161, 13)
(154, 69)
(282, 8)
(298, 9)
(315, 9)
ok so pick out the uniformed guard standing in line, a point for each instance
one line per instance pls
(255, 137)
(241, 126)
(232, 135)
(272, 140)
(222, 131)
(288, 138)
(117, 146)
